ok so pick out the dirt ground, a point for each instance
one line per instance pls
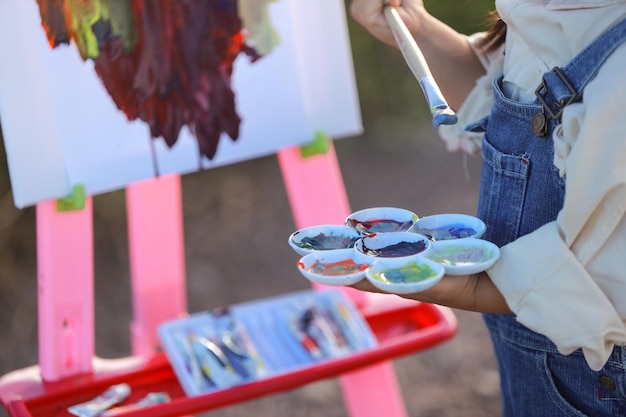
(237, 220)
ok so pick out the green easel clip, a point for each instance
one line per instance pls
(76, 201)
(319, 145)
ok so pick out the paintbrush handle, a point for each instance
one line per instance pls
(442, 114)
(411, 52)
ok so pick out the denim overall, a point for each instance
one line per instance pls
(520, 191)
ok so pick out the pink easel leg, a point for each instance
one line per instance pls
(317, 195)
(65, 284)
(157, 258)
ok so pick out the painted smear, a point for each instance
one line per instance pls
(409, 273)
(459, 255)
(396, 250)
(167, 63)
(259, 30)
(380, 226)
(447, 232)
(343, 267)
(324, 241)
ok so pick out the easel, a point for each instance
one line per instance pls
(66, 310)
(68, 372)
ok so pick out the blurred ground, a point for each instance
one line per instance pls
(223, 205)
(398, 161)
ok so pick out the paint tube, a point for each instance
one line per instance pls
(152, 398)
(113, 395)
(214, 363)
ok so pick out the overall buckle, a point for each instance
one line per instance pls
(541, 92)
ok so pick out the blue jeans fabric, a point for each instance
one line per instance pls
(537, 381)
(521, 191)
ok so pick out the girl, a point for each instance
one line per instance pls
(542, 95)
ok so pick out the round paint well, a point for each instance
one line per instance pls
(449, 226)
(392, 245)
(322, 238)
(404, 275)
(464, 256)
(381, 220)
(334, 267)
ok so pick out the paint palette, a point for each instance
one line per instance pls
(322, 238)
(404, 275)
(381, 220)
(449, 226)
(334, 267)
(464, 256)
(394, 249)
(392, 245)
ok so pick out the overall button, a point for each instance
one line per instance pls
(607, 382)
(539, 125)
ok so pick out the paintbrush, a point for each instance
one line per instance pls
(442, 113)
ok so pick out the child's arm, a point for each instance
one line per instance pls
(451, 59)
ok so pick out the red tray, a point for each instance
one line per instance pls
(400, 326)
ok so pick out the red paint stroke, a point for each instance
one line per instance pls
(177, 69)
(343, 267)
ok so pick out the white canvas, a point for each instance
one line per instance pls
(61, 128)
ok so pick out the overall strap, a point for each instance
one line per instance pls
(563, 86)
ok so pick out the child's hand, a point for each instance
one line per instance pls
(369, 13)
(465, 292)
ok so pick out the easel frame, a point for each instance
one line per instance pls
(310, 182)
